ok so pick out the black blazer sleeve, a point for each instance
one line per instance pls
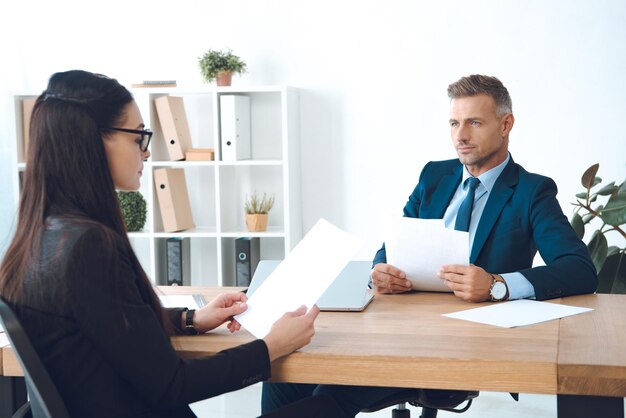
(110, 311)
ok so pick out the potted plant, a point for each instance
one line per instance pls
(257, 211)
(609, 261)
(220, 66)
(133, 207)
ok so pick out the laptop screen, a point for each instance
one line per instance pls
(348, 292)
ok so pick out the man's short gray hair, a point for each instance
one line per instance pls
(482, 84)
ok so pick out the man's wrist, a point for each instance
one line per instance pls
(497, 292)
(508, 295)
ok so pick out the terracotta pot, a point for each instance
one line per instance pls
(257, 222)
(224, 78)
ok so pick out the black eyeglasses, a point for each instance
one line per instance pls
(146, 135)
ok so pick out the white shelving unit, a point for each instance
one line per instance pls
(217, 189)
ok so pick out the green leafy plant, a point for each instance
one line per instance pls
(133, 207)
(610, 261)
(256, 205)
(214, 62)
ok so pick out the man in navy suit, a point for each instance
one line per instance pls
(514, 212)
(510, 214)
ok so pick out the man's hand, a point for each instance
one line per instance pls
(470, 283)
(389, 279)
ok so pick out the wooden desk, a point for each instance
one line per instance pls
(582, 358)
(13, 388)
(592, 357)
(4, 341)
(403, 341)
(8, 361)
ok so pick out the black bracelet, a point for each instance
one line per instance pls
(189, 328)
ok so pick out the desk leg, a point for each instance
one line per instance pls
(579, 406)
(12, 395)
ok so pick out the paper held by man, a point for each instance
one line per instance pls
(419, 247)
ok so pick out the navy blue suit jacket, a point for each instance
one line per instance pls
(521, 216)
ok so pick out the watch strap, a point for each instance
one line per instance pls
(189, 328)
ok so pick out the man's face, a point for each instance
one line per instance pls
(480, 136)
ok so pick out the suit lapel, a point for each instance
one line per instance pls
(499, 196)
(445, 190)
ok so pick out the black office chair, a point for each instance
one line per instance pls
(430, 400)
(45, 400)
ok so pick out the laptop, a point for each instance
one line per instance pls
(348, 292)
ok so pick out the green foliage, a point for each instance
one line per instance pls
(610, 262)
(254, 205)
(134, 211)
(216, 61)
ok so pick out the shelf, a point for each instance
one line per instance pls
(272, 232)
(251, 163)
(139, 234)
(216, 189)
(251, 89)
(182, 164)
(185, 164)
(198, 232)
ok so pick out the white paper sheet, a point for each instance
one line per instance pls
(182, 301)
(419, 247)
(517, 313)
(4, 339)
(301, 278)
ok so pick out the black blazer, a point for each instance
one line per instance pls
(521, 216)
(89, 319)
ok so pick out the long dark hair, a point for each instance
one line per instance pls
(67, 171)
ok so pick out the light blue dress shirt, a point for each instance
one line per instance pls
(519, 286)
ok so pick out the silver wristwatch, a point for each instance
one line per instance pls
(498, 291)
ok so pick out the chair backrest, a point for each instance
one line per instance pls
(45, 400)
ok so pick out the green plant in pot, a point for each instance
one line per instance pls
(133, 207)
(220, 66)
(257, 211)
(610, 261)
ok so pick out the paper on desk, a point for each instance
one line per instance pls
(4, 339)
(419, 247)
(517, 313)
(301, 278)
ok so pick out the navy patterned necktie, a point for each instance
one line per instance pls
(465, 211)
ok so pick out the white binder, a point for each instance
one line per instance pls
(235, 127)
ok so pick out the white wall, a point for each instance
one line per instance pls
(373, 76)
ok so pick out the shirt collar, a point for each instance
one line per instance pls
(489, 177)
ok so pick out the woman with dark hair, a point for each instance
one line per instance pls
(78, 288)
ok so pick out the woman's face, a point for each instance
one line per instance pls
(123, 152)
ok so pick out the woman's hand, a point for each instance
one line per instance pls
(221, 309)
(292, 331)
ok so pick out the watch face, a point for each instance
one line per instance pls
(498, 291)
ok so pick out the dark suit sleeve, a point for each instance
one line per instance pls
(174, 315)
(125, 331)
(569, 269)
(411, 210)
